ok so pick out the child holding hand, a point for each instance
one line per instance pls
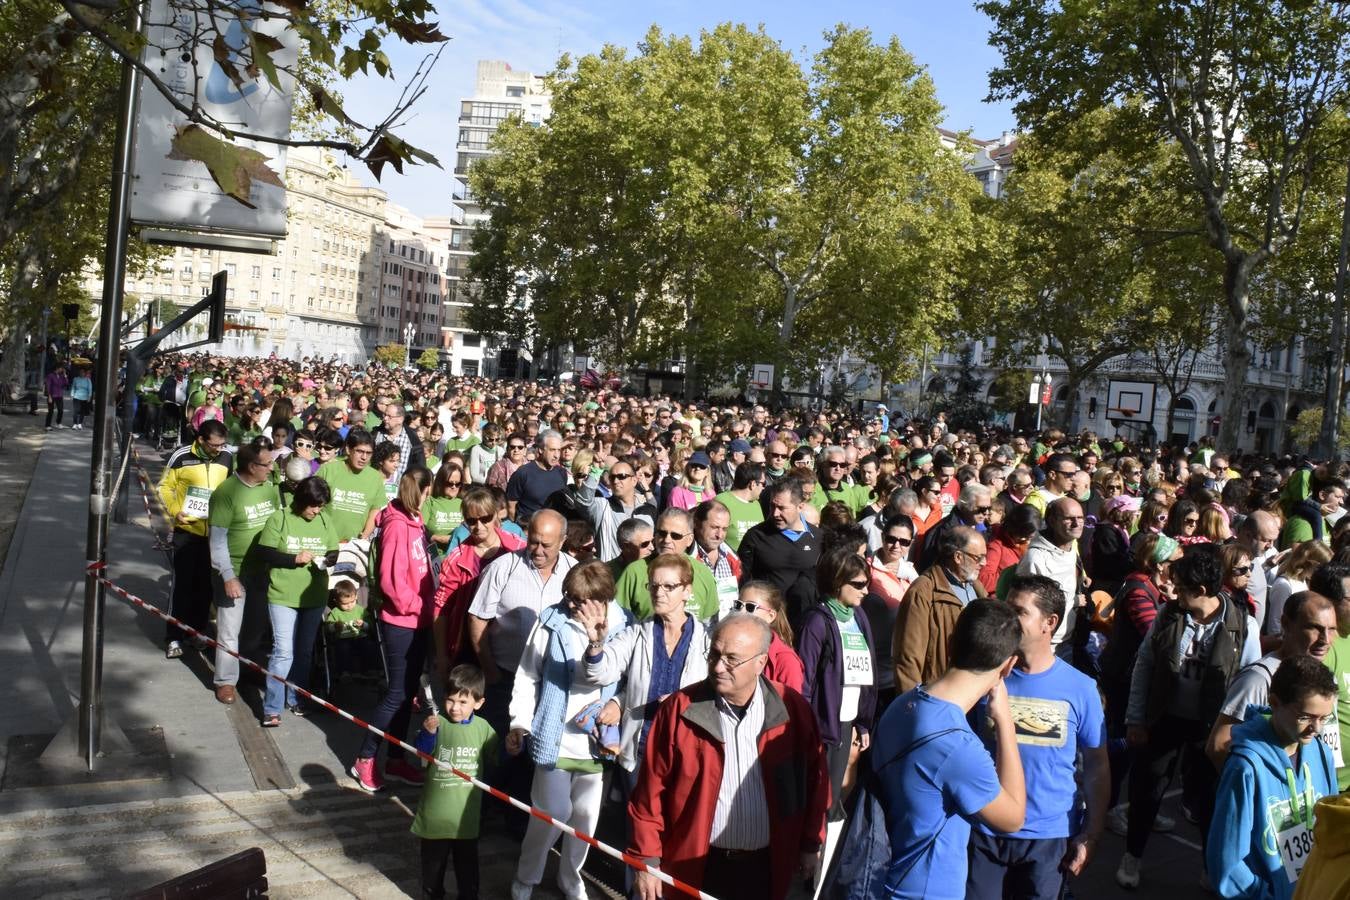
(448, 812)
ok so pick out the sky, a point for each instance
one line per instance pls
(949, 37)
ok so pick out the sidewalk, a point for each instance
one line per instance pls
(322, 837)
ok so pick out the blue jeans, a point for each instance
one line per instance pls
(405, 654)
(293, 634)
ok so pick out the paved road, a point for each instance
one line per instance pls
(322, 839)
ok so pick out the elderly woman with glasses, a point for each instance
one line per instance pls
(652, 658)
(556, 719)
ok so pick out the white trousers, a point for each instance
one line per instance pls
(571, 797)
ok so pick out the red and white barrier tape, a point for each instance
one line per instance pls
(633, 861)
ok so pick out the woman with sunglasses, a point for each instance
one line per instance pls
(500, 472)
(485, 540)
(891, 571)
(326, 446)
(1183, 523)
(764, 601)
(695, 485)
(444, 510)
(928, 512)
(839, 658)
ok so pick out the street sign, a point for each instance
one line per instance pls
(1035, 393)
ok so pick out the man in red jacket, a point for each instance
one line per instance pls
(733, 790)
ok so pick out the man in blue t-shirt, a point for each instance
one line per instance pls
(1056, 713)
(935, 775)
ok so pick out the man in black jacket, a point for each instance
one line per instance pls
(783, 549)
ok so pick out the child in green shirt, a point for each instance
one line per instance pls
(448, 812)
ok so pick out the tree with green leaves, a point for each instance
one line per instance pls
(428, 360)
(1068, 275)
(1244, 89)
(391, 355)
(711, 198)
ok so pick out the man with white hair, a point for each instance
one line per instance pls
(971, 509)
(537, 480)
(391, 431)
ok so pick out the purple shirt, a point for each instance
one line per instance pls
(56, 385)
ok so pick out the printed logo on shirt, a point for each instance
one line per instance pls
(254, 513)
(350, 501)
(1040, 722)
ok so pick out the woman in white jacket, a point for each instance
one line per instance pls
(651, 659)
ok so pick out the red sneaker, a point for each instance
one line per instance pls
(404, 771)
(367, 775)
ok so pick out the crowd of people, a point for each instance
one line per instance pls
(954, 658)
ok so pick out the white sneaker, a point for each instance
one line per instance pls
(1163, 824)
(520, 890)
(1118, 821)
(1127, 875)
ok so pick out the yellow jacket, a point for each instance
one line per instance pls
(1327, 873)
(189, 478)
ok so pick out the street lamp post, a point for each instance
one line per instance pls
(408, 331)
(1040, 394)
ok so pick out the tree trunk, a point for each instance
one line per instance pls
(1331, 417)
(1237, 356)
(784, 340)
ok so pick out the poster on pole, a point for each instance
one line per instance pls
(170, 191)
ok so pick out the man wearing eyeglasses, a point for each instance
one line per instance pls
(392, 431)
(190, 476)
(240, 508)
(1054, 554)
(921, 641)
(606, 514)
(1059, 471)
(834, 484)
(1308, 624)
(732, 793)
(971, 510)
(674, 533)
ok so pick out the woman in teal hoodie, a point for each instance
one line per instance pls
(1262, 830)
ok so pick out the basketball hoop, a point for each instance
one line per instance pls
(1117, 412)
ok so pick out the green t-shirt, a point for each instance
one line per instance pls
(1338, 661)
(631, 592)
(302, 587)
(443, 515)
(355, 494)
(449, 807)
(343, 623)
(854, 496)
(744, 516)
(244, 511)
(373, 420)
(461, 444)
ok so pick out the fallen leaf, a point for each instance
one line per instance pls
(233, 169)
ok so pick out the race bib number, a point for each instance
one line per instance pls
(857, 660)
(1296, 843)
(1331, 736)
(197, 503)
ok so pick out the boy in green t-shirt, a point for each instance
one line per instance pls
(448, 812)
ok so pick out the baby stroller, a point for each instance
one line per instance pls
(353, 565)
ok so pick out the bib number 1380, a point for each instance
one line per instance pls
(1296, 844)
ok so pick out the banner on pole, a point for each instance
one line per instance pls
(173, 192)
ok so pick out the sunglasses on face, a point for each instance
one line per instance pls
(897, 541)
(860, 585)
(327, 448)
(672, 535)
(1242, 570)
(478, 520)
(748, 606)
(620, 476)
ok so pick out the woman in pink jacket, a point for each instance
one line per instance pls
(459, 575)
(405, 619)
